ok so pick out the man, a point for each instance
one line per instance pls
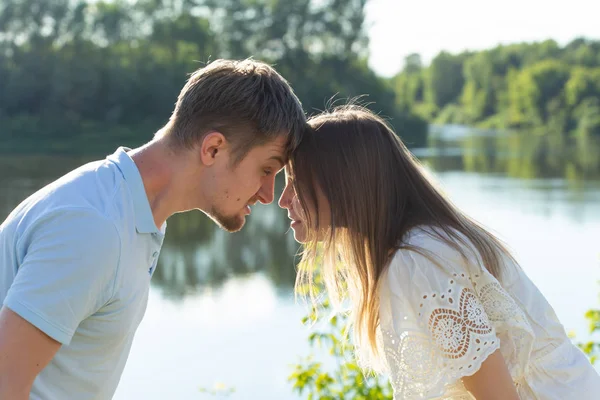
(76, 257)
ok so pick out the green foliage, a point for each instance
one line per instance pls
(588, 117)
(345, 380)
(592, 347)
(538, 87)
(451, 114)
(111, 71)
(444, 79)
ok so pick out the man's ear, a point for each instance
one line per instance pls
(212, 146)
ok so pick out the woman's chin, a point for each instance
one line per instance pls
(299, 231)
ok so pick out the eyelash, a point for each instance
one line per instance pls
(267, 172)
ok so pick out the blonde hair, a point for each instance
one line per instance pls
(377, 191)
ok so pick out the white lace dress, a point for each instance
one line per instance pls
(439, 325)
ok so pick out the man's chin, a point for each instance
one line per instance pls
(229, 224)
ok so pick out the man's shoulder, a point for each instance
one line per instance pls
(84, 194)
(92, 184)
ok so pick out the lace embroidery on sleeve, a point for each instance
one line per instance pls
(452, 330)
(512, 327)
(498, 304)
(456, 334)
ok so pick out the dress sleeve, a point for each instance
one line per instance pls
(437, 330)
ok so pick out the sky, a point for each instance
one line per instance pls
(397, 28)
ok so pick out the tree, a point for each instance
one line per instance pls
(85, 74)
(444, 80)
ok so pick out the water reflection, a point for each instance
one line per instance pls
(513, 154)
(553, 175)
(198, 255)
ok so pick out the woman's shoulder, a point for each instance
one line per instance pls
(425, 254)
(428, 244)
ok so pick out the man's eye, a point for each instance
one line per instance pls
(267, 172)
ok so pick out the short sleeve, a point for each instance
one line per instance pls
(437, 329)
(68, 263)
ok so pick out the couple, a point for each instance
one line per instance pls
(438, 304)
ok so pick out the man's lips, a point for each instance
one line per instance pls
(247, 209)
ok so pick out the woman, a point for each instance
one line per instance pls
(438, 303)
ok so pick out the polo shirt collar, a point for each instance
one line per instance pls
(144, 220)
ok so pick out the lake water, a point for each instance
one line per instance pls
(221, 308)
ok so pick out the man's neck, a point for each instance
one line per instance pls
(161, 173)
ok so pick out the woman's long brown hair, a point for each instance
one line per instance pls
(377, 191)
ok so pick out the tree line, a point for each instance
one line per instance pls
(531, 87)
(83, 75)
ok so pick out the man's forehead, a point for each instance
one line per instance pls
(277, 149)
